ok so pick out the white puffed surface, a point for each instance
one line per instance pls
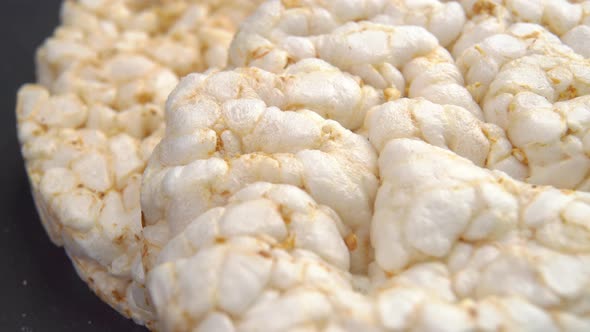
(90, 124)
(467, 177)
(360, 165)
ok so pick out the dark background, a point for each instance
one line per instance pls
(39, 289)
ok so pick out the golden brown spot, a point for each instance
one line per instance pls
(472, 312)
(534, 34)
(240, 90)
(220, 240)
(260, 52)
(264, 254)
(392, 94)
(285, 213)
(91, 280)
(291, 3)
(222, 23)
(144, 251)
(166, 16)
(511, 107)
(142, 220)
(120, 239)
(151, 326)
(143, 97)
(567, 191)
(219, 144)
(351, 241)
(290, 61)
(473, 87)
(520, 156)
(331, 131)
(293, 107)
(479, 49)
(569, 93)
(555, 80)
(289, 242)
(190, 319)
(77, 143)
(118, 297)
(101, 195)
(484, 7)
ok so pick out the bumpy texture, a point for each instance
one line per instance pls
(363, 165)
(222, 134)
(537, 90)
(290, 249)
(569, 20)
(351, 175)
(89, 126)
(393, 46)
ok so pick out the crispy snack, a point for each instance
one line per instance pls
(453, 217)
(89, 126)
(360, 165)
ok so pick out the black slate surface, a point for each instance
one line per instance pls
(39, 289)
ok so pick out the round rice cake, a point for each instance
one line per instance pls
(89, 125)
(405, 183)
(348, 136)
